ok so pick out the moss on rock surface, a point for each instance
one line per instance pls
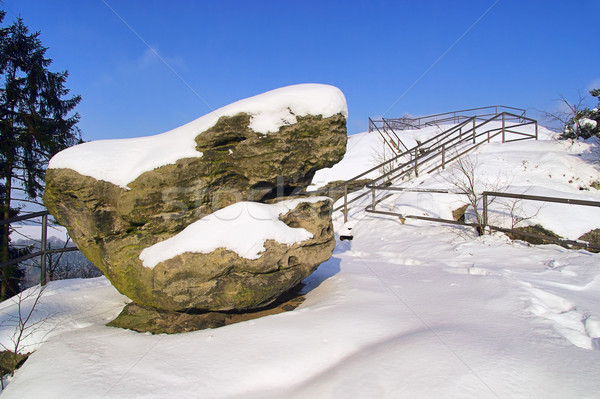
(112, 225)
(534, 235)
(11, 361)
(593, 237)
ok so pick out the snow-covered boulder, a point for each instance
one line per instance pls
(123, 199)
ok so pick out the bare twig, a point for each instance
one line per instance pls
(24, 325)
(465, 178)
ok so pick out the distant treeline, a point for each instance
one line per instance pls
(59, 266)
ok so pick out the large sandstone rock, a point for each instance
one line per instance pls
(119, 197)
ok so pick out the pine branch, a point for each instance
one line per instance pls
(23, 235)
(29, 201)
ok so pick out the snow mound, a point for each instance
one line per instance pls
(242, 228)
(361, 155)
(121, 161)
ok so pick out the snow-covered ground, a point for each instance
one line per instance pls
(413, 310)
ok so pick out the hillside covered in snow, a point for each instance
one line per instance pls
(407, 309)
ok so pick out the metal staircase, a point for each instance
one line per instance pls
(465, 131)
(390, 128)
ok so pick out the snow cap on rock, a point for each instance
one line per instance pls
(121, 161)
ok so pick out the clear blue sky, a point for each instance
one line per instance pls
(521, 53)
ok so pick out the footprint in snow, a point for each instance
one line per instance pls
(466, 268)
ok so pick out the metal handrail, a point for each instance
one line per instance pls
(383, 136)
(44, 250)
(450, 116)
(397, 138)
(485, 219)
(457, 113)
(528, 197)
(394, 159)
(559, 200)
(445, 141)
(448, 141)
(23, 217)
(405, 153)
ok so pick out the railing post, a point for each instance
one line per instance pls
(373, 202)
(536, 130)
(416, 162)
(474, 136)
(43, 257)
(345, 203)
(485, 210)
(443, 156)
(503, 126)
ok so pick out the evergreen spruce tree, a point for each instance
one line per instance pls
(35, 123)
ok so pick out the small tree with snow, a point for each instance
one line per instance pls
(23, 325)
(466, 178)
(583, 122)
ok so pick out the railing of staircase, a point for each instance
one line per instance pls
(387, 139)
(444, 147)
(446, 117)
(486, 195)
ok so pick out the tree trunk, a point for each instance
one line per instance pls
(9, 286)
(7, 272)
